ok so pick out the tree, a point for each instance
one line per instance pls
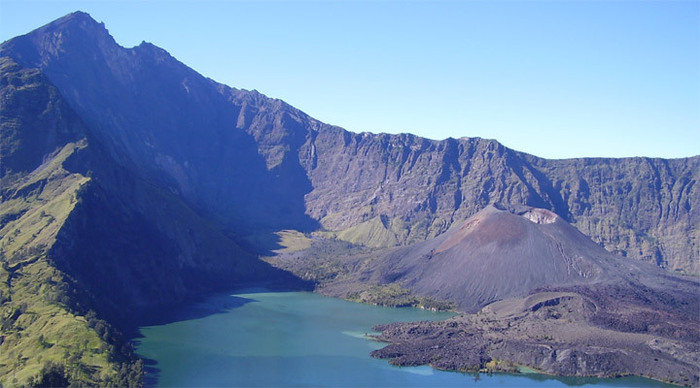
(52, 375)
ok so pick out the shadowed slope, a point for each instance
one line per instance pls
(83, 239)
(169, 125)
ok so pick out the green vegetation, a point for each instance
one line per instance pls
(46, 335)
(385, 295)
(385, 232)
(37, 208)
(377, 232)
(38, 327)
(394, 295)
(293, 241)
(501, 366)
(283, 241)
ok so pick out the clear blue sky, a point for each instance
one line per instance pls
(553, 78)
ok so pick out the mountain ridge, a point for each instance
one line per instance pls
(123, 166)
(87, 246)
(310, 159)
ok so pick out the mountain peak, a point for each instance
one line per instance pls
(77, 19)
(76, 23)
(69, 37)
(77, 15)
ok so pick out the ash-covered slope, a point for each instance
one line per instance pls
(500, 253)
(547, 297)
(252, 163)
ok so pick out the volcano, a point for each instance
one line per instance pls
(502, 252)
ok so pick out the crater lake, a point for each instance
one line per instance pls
(258, 338)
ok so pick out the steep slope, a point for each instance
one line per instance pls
(42, 312)
(254, 163)
(82, 240)
(167, 124)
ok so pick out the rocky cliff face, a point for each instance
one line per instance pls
(637, 207)
(385, 190)
(252, 162)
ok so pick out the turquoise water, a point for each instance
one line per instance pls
(299, 339)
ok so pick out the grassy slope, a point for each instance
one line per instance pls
(41, 317)
(37, 325)
(74, 228)
(373, 233)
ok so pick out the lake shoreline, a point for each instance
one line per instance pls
(252, 328)
(551, 333)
